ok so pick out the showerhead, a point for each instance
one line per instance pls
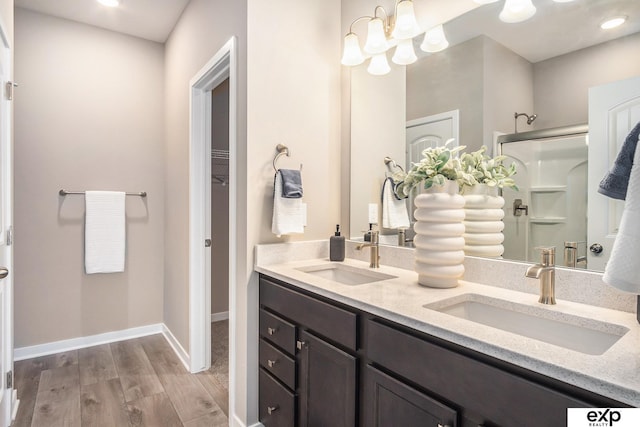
(531, 118)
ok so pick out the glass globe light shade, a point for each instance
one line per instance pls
(517, 11)
(404, 54)
(378, 66)
(351, 53)
(376, 39)
(434, 40)
(406, 25)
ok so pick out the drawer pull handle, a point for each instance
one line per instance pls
(301, 344)
(271, 363)
(446, 425)
(272, 331)
(272, 409)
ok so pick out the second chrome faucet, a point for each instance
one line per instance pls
(375, 255)
(546, 272)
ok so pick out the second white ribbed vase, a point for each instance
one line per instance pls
(439, 237)
(483, 221)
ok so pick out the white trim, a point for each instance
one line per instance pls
(217, 317)
(88, 341)
(222, 65)
(176, 346)
(237, 422)
(454, 115)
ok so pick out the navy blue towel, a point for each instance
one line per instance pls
(615, 182)
(291, 183)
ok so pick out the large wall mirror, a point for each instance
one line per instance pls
(581, 82)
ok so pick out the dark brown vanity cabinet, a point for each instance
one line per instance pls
(327, 364)
(308, 367)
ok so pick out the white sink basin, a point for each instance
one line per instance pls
(345, 274)
(581, 334)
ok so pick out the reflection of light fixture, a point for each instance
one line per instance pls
(405, 54)
(434, 40)
(517, 11)
(384, 32)
(613, 22)
(378, 65)
(109, 3)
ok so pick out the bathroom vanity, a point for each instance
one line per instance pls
(344, 345)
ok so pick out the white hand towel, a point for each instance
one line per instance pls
(623, 268)
(288, 214)
(104, 233)
(394, 211)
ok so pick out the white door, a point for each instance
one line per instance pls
(427, 132)
(614, 109)
(6, 250)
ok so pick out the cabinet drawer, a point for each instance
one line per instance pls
(277, 404)
(278, 331)
(501, 397)
(334, 323)
(278, 363)
(389, 402)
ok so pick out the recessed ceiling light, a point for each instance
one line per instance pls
(613, 22)
(109, 3)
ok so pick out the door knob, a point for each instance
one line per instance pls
(207, 243)
(596, 248)
(4, 272)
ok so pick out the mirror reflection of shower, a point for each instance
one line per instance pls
(530, 119)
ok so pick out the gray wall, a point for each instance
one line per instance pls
(84, 120)
(561, 83)
(450, 80)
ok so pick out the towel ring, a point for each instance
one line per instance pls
(392, 164)
(283, 150)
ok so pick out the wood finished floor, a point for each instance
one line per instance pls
(139, 382)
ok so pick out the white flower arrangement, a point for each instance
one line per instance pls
(440, 164)
(478, 168)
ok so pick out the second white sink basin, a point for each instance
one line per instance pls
(581, 334)
(345, 274)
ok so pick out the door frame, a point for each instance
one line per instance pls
(221, 66)
(10, 394)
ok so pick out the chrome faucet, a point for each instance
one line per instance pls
(546, 272)
(402, 238)
(375, 254)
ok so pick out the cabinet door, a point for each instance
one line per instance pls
(327, 384)
(389, 402)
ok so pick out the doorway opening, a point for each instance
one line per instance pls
(219, 71)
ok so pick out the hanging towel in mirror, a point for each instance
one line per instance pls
(288, 214)
(615, 182)
(104, 232)
(291, 183)
(394, 210)
(623, 268)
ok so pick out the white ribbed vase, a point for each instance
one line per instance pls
(439, 237)
(483, 221)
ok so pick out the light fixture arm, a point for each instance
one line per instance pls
(355, 21)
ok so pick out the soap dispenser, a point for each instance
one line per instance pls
(336, 246)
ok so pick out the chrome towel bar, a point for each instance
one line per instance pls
(64, 192)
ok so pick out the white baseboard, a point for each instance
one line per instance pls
(237, 422)
(177, 347)
(216, 317)
(88, 341)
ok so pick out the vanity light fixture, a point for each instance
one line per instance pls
(385, 32)
(517, 11)
(613, 22)
(109, 3)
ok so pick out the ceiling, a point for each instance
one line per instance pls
(149, 19)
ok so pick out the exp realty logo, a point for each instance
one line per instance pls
(603, 417)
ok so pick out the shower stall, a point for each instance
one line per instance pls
(550, 208)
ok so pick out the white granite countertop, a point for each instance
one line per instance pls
(615, 374)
